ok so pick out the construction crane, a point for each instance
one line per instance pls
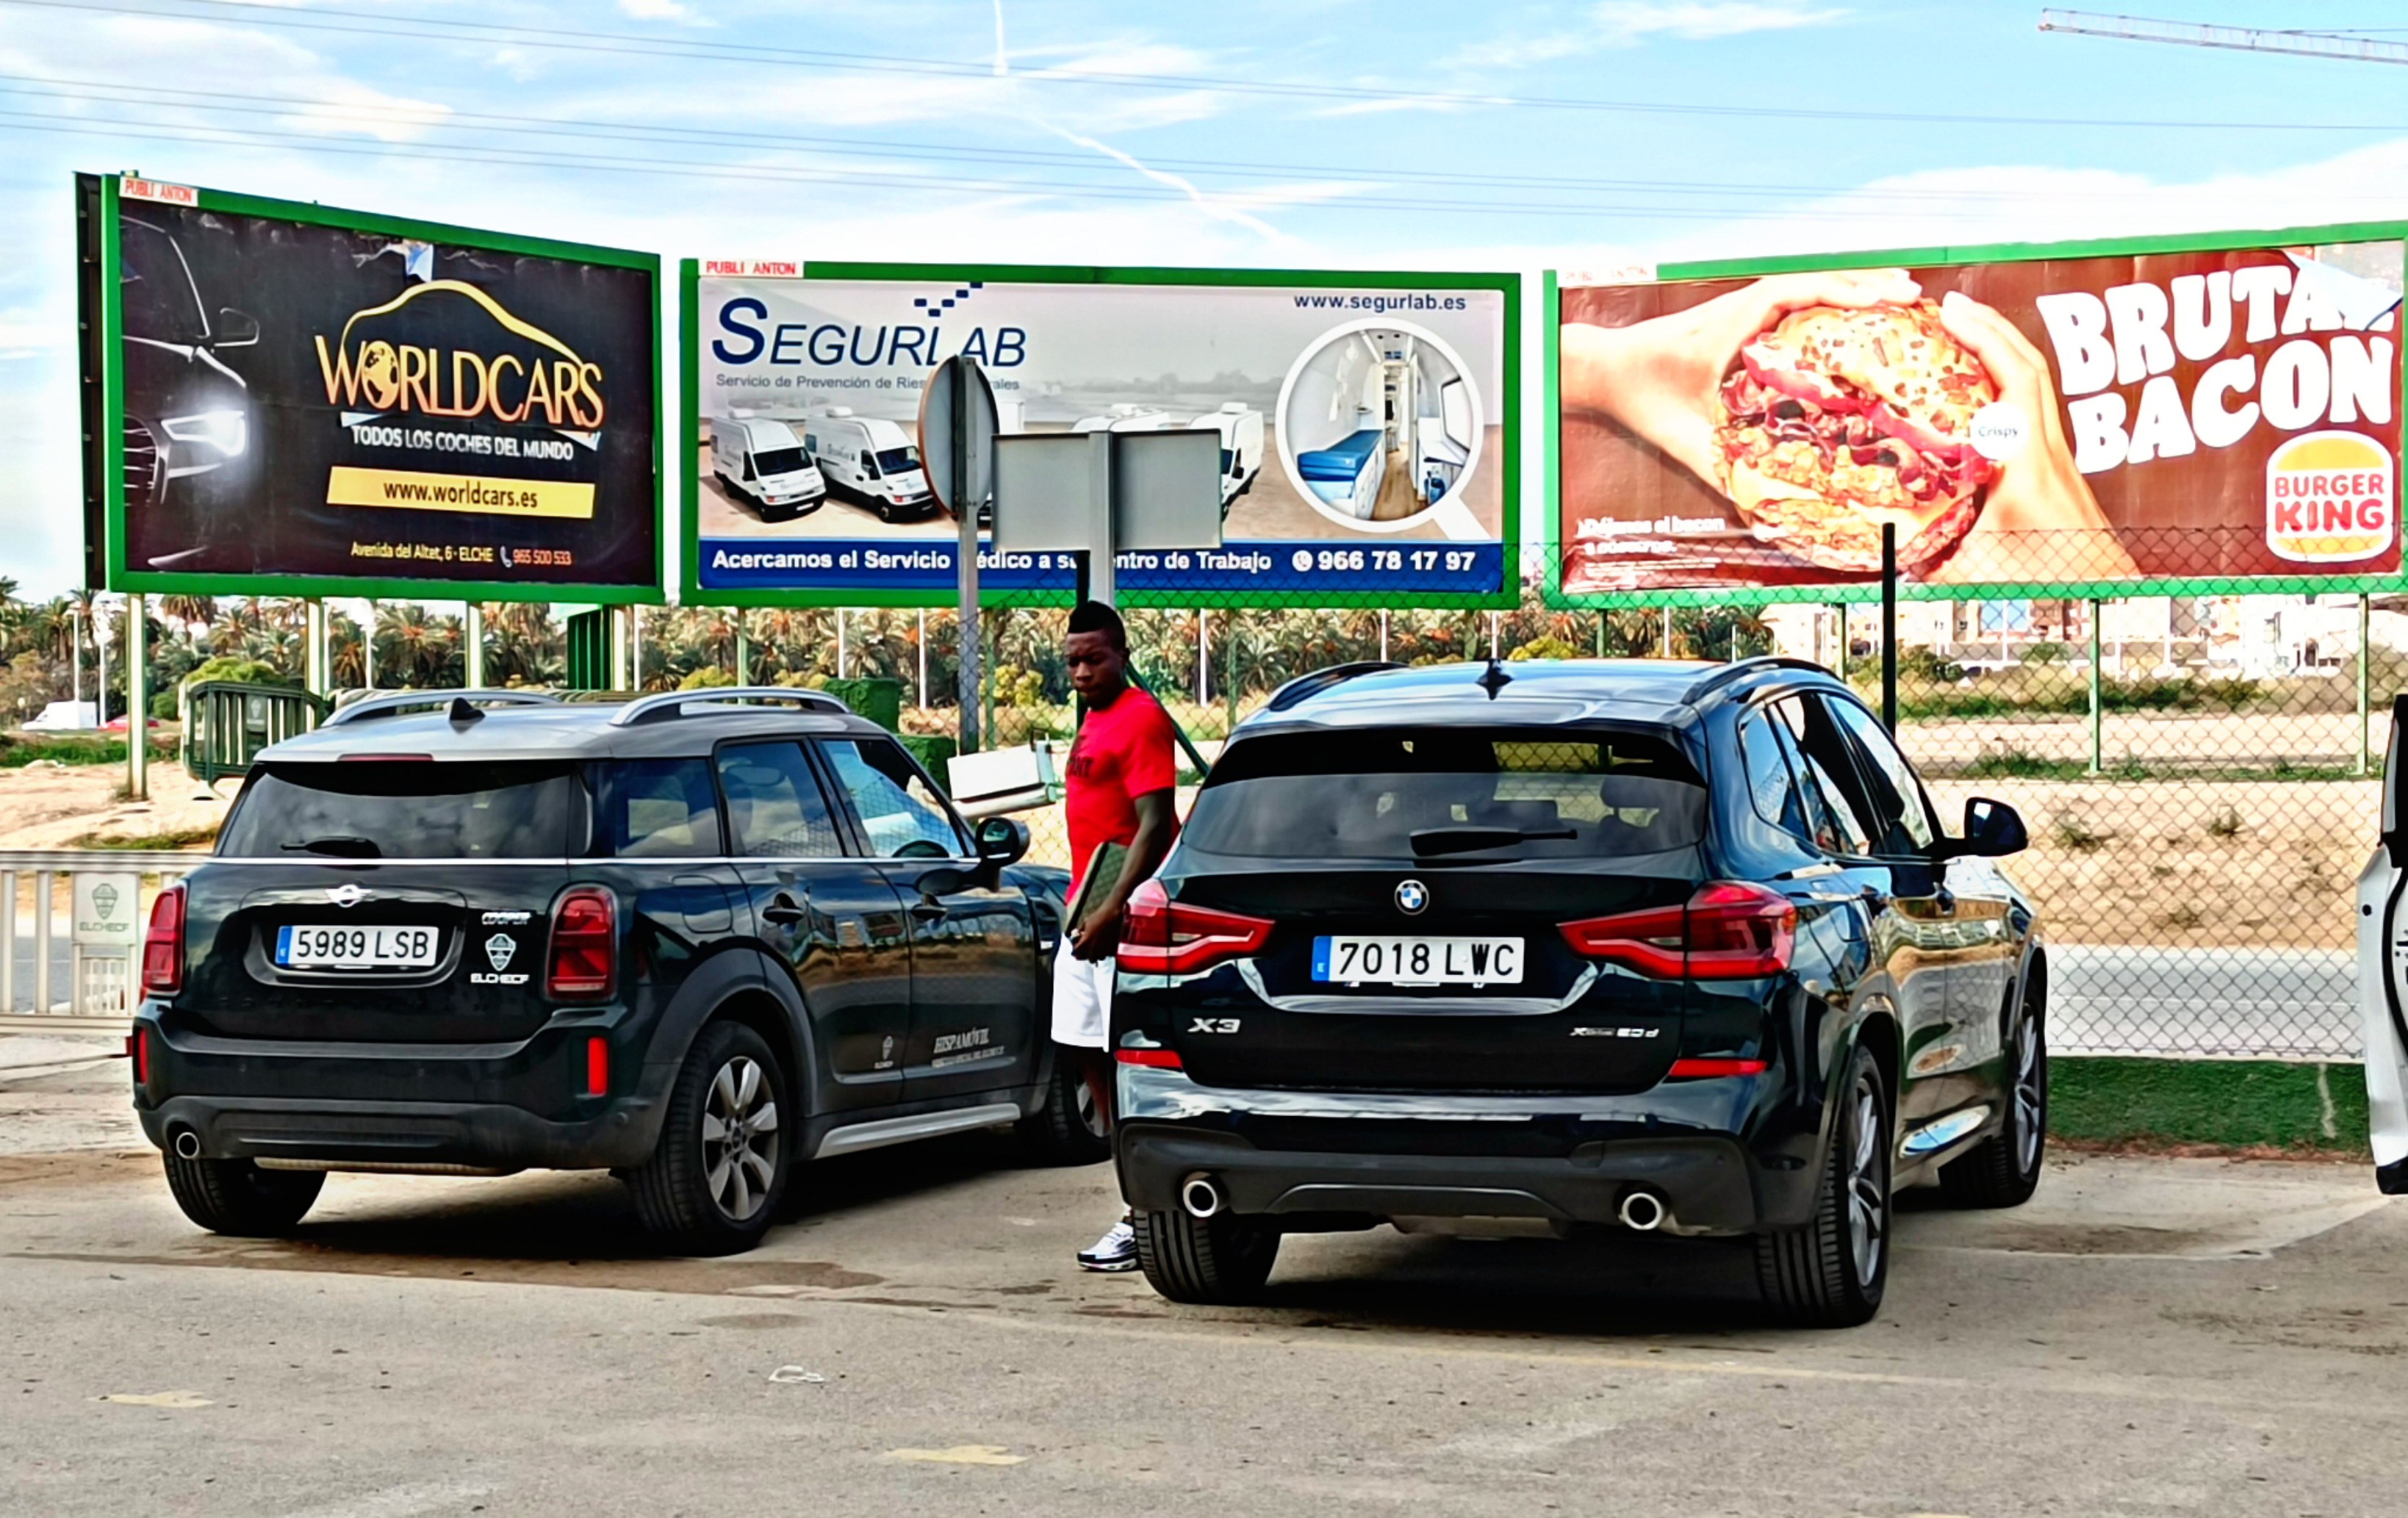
(2340, 45)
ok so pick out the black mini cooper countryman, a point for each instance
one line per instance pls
(695, 940)
(1555, 947)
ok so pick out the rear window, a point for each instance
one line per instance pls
(1433, 793)
(409, 809)
(659, 808)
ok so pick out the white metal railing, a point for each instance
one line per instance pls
(103, 922)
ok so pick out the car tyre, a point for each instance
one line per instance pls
(1830, 1273)
(2003, 1170)
(238, 1198)
(1067, 1129)
(718, 1174)
(1219, 1260)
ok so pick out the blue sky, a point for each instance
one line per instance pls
(1297, 133)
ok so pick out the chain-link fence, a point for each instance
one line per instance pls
(2193, 768)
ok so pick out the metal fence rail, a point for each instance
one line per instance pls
(69, 922)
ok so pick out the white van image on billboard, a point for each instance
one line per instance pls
(762, 461)
(872, 461)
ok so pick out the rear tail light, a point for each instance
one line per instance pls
(1729, 930)
(163, 945)
(1151, 1059)
(1163, 937)
(1701, 1069)
(597, 1067)
(585, 947)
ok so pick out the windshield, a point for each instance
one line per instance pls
(406, 810)
(1440, 793)
(896, 460)
(159, 301)
(780, 461)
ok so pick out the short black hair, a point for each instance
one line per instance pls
(1096, 617)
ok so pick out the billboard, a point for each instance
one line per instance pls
(2206, 412)
(1368, 426)
(303, 401)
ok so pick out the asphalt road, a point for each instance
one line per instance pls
(2148, 1338)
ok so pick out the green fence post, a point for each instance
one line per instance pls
(2098, 736)
(2365, 682)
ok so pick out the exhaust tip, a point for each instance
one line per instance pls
(187, 1143)
(1201, 1196)
(1642, 1211)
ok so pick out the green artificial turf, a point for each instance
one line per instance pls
(2234, 1104)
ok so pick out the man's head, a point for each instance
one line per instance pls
(1096, 652)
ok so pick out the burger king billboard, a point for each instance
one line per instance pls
(286, 399)
(2203, 411)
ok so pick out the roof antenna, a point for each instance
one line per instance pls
(463, 713)
(1494, 678)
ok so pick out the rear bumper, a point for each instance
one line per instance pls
(516, 1106)
(1309, 1160)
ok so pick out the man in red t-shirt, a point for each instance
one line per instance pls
(1118, 790)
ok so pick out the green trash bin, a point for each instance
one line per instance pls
(227, 723)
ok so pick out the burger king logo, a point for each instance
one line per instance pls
(2330, 498)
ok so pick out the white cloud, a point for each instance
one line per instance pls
(656, 10)
(1630, 23)
(1627, 22)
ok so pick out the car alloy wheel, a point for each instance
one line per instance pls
(1089, 1117)
(2029, 1092)
(739, 1138)
(1868, 1184)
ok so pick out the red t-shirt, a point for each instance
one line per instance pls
(1123, 752)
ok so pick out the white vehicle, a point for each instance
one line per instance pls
(763, 462)
(2383, 972)
(1240, 428)
(872, 461)
(65, 717)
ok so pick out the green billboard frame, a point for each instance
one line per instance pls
(1858, 592)
(1506, 598)
(123, 578)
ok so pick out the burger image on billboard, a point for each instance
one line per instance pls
(1835, 422)
(2329, 498)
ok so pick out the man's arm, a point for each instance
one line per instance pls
(1100, 934)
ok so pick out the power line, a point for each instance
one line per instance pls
(368, 23)
(442, 118)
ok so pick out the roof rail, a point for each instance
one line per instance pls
(1305, 687)
(401, 701)
(669, 703)
(1724, 674)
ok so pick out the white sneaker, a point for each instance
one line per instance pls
(1115, 1251)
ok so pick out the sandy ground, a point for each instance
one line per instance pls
(2185, 741)
(1271, 510)
(59, 808)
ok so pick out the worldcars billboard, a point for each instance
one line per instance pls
(1368, 423)
(2188, 411)
(285, 398)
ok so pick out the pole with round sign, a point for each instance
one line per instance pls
(957, 428)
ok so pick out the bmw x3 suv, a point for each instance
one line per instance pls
(1572, 946)
(693, 939)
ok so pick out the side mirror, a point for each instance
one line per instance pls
(1001, 840)
(1993, 830)
(236, 329)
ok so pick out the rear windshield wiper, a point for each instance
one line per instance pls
(1446, 841)
(343, 846)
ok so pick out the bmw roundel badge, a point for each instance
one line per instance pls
(1411, 896)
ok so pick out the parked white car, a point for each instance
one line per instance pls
(872, 461)
(66, 717)
(762, 461)
(2383, 972)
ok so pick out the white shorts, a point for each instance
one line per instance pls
(1082, 997)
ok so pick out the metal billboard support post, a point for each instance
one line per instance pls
(137, 704)
(1889, 627)
(2098, 733)
(472, 650)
